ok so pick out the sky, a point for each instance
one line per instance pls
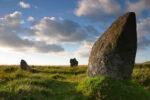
(50, 32)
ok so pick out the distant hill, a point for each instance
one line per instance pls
(147, 62)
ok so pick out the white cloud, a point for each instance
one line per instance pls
(10, 30)
(66, 31)
(138, 6)
(60, 18)
(30, 18)
(24, 5)
(22, 22)
(97, 9)
(143, 30)
(84, 50)
(53, 18)
(12, 20)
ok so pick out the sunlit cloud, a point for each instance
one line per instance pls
(30, 18)
(24, 5)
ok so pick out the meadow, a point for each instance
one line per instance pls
(54, 82)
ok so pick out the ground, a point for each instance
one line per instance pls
(53, 82)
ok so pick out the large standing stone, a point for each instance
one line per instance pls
(24, 65)
(113, 54)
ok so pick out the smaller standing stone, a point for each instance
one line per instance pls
(73, 62)
(24, 65)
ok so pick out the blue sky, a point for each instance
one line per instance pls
(50, 32)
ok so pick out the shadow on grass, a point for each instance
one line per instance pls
(67, 72)
(40, 89)
(10, 69)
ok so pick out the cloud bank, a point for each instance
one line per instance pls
(48, 35)
(11, 36)
(139, 6)
(44, 36)
(143, 30)
(66, 31)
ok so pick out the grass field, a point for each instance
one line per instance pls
(53, 83)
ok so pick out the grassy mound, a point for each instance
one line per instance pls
(105, 88)
(141, 75)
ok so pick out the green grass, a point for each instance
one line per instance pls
(55, 83)
(105, 88)
(41, 83)
(141, 75)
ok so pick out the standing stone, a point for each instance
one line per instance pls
(113, 54)
(73, 62)
(24, 65)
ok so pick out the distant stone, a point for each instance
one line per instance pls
(73, 62)
(24, 65)
(113, 54)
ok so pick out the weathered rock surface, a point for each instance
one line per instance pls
(24, 65)
(113, 54)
